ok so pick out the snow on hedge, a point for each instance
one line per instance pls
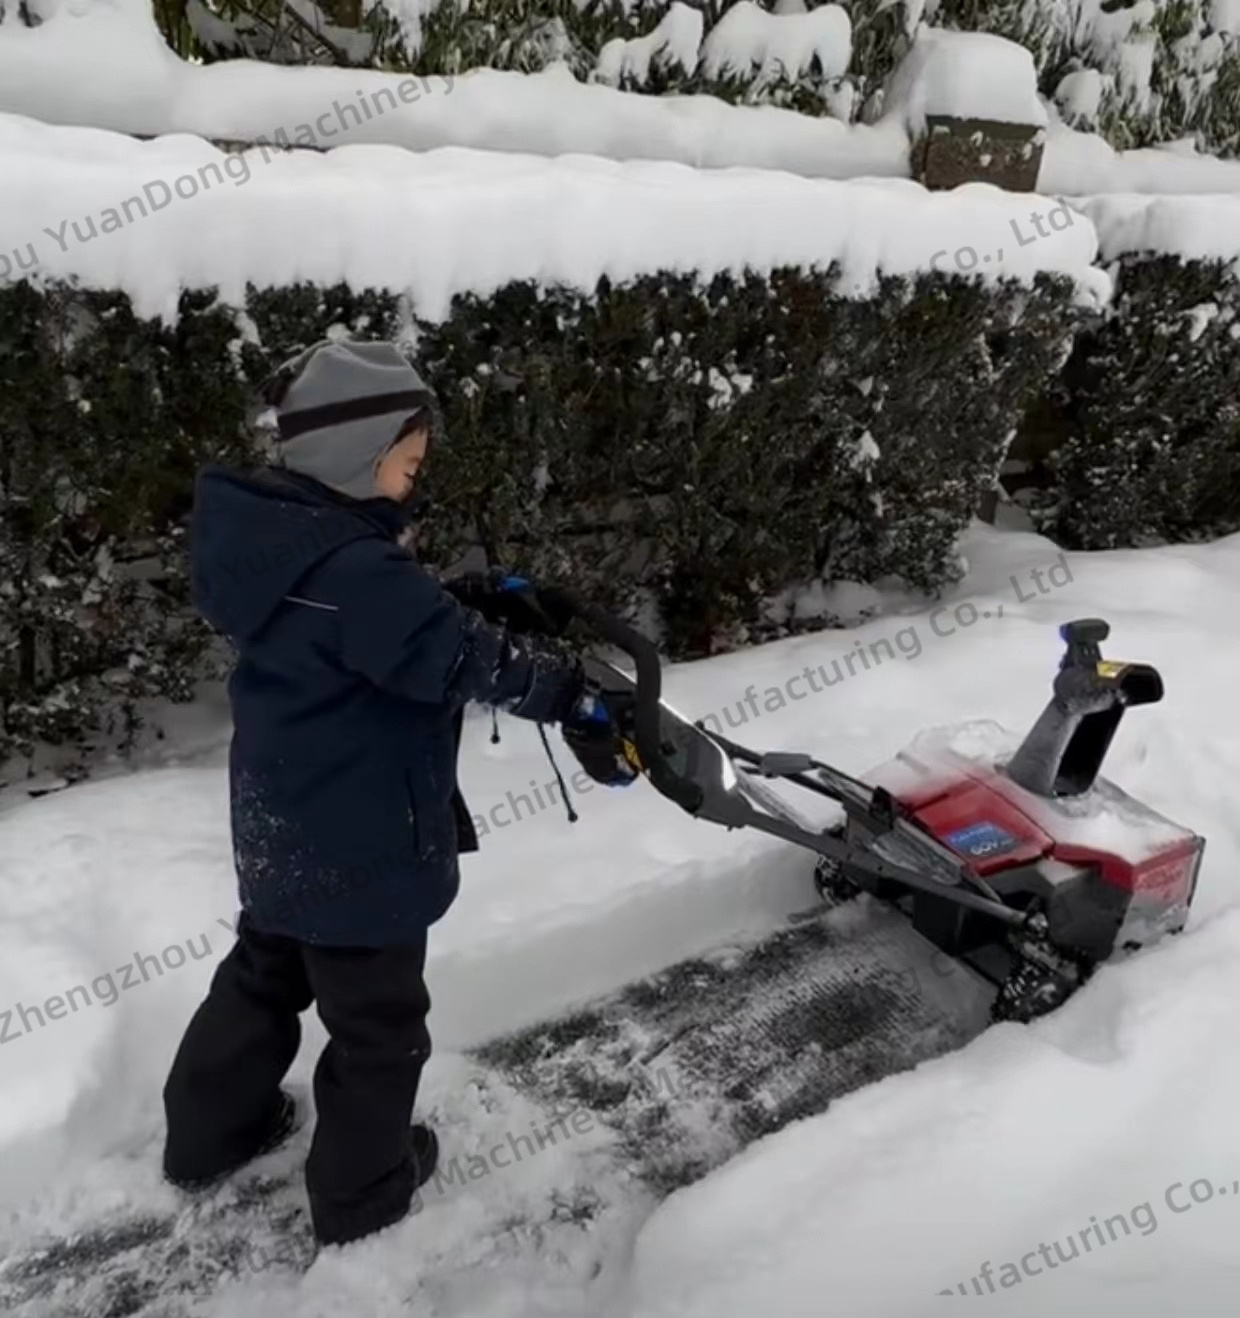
(1081, 164)
(1225, 16)
(109, 67)
(410, 15)
(1079, 96)
(1192, 228)
(1119, 40)
(154, 217)
(675, 42)
(749, 39)
(966, 75)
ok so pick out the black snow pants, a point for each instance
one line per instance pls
(225, 1081)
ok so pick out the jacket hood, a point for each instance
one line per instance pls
(254, 535)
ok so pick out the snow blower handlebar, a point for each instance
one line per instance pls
(645, 715)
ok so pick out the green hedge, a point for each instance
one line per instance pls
(527, 35)
(1149, 404)
(104, 419)
(695, 450)
(680, 451)
(1191, 93)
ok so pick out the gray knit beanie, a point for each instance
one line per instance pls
(341, 406)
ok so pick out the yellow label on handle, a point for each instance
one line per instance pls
(1111, 667)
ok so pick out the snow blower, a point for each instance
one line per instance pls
(1021, 862)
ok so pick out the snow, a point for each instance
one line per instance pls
(1079, 95)
(1015, 1141)
(673, 43)
(410, 15)
(1202, 317)
(1112, 1107)
(153, 218)
(1106, 30)
(1193, 228)
(108, 67)
(964, 75)
(1136, 68)
(748, 38)
(1119, 42)
(866, 452)
(1082, 164)
(1225, 16)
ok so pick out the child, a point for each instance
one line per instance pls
(352, 668)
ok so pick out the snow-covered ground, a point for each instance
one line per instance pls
(1121, 1105)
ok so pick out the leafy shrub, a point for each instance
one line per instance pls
(682, 451)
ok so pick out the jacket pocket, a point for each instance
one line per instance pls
(431, 824)
(411, 817)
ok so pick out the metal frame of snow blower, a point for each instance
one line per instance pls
(702, 789)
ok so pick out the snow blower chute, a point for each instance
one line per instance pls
(1019, 861)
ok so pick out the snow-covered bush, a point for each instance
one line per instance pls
(1150, 404)
(1140, 71)
(673, 47)
(344, 33)
(750, 42)
(669, 447)
(692, 450)
(103, 418)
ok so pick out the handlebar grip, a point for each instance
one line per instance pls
(645, 655)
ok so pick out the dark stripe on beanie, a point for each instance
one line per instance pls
(305, 419)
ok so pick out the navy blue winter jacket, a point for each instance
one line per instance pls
(353, 666)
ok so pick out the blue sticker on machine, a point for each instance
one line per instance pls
(984, 839)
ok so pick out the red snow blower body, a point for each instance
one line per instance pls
(1036, 826)
(1107, 873)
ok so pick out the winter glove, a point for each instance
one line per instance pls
(509, 601)
(594, 737)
